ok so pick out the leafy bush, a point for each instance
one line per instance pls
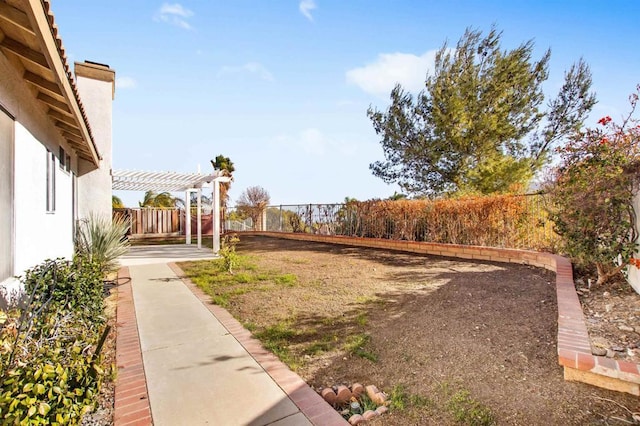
(102, 240)
(71, 286)
(228, 252)
(49, 347)
(592, 196)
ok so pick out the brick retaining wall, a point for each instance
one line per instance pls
(574, 347)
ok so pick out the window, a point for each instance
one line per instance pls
(51, 182)
(61, 156)
(67, 161)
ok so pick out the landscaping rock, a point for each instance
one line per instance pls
(624, 327)
(379, 398)
(329, 395)
(381, 410)
(372, 390)
(356, 419)
(598, 351)
(369, 414)
(343, 394)
(357, 389)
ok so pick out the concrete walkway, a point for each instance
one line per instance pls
(200, 366)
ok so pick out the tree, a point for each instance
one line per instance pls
(225, 166)
(116, 202)
(591, 199)
(478, 125)
(397, 196)
(252, 202)
(162, 199)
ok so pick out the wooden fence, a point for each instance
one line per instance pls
(152, 221)
(156, 222)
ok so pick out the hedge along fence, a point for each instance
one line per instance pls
(514, 221)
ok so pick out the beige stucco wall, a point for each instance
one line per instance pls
(37, 234)
(633, 273)
(96, 86)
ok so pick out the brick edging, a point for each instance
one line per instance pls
(310, 403)
(574, 345)
(131, 405)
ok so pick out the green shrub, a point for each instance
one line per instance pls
(49, 365)
(592, 196)
(228, 252)
(70, 286)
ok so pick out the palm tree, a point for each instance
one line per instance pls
(116, 202)
(225, 166)
(163, 199)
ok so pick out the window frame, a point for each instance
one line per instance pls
(51, 182)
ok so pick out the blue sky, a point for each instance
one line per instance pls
(282, 87)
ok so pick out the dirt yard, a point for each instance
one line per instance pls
(455, 341)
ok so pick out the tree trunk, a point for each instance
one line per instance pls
(605, 275)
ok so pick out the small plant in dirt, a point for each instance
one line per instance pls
(468, 411)
(591, 199)
(276, 338)
(228, 252)
(356, 345)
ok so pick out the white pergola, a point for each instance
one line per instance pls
(131, 180)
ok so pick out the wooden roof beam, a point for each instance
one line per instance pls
(25, 52)
(54, 103)
(42, 83)
(16, 17)
(71, 129)
(62, 117)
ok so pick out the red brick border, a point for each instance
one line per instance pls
(574, 345)
(131, 406)
(312, 405)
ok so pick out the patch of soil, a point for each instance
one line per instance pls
(102, 415)
(612, 313)
(453, 334)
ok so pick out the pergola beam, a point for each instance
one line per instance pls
(132, 180)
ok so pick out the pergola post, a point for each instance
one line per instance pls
(216, 216)
(187, 217)
(216, 211)
(199, 224)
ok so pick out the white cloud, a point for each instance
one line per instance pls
(174, 14)
(314, 143)
(306, 6)
(126, 83)
(379, 78)
(254, 68)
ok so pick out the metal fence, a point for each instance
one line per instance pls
(501, 221)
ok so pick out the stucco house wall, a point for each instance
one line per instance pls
(37, 234)
(52, 128)
(96, 84)
(633, 273)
